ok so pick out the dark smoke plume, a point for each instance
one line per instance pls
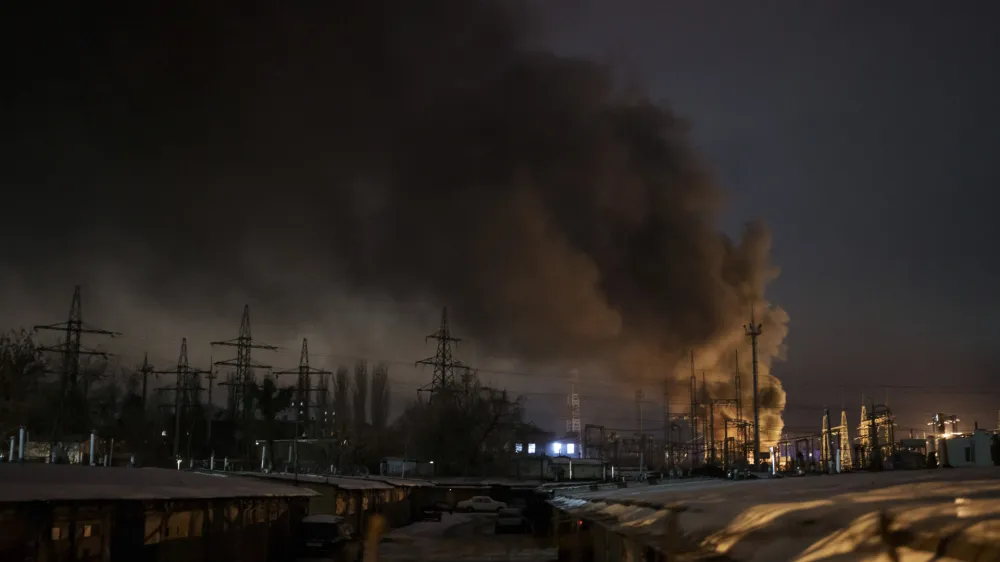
(415, 151)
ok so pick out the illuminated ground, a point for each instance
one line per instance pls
(461, 538)
(942, 514)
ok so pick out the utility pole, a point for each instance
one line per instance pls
(753, 331)
(302, 402)
(71, 349)
(443, 361)
(183, 375)
(244, 365)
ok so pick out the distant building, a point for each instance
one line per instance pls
(542, 467)
(967, 449)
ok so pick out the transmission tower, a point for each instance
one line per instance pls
(185, 386)
(443, 362)
(845, 441)
(303, 387)
(574, 428)
(753, 331)
(245, 366)
(71, 349)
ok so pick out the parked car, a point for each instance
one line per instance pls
(430, 513)
(330, 537)
(482, 504)
(511, 520)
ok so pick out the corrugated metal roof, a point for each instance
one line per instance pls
(809, 518)
(48, 482)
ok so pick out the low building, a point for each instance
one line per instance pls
(52, 512)
(966, 449)
(561, 468)
(402, 468)
(355, 498)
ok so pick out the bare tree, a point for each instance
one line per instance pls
(270, 401)
(360, 396)
(380, 397)
(342, 402)
(21, 371)
(478, 420)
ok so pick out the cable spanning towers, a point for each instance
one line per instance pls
(185, 389)
(71, 350)
(304, 387)
(443, 362)
(241, 408)
(753, 331)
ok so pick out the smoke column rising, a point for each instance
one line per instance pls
(393, 151)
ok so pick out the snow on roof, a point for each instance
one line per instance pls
(338, 481)
(808, 518)
(55, 482)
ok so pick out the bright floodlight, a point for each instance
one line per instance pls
(570, 448)
(557, 448)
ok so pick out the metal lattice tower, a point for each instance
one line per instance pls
(863, 426)
(71, 349)
(185, 385)
(573, 425)
(443, 362)
(303, 386)
(573, 401)
(244, 365)
(753, 331)
(845, 441)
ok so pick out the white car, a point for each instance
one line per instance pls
(482, 504)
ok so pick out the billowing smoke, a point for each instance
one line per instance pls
(389, 150)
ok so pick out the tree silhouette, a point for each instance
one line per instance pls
(21, 372)
(270, 401)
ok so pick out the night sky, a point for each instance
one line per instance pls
(865, 134)
(862, 133)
